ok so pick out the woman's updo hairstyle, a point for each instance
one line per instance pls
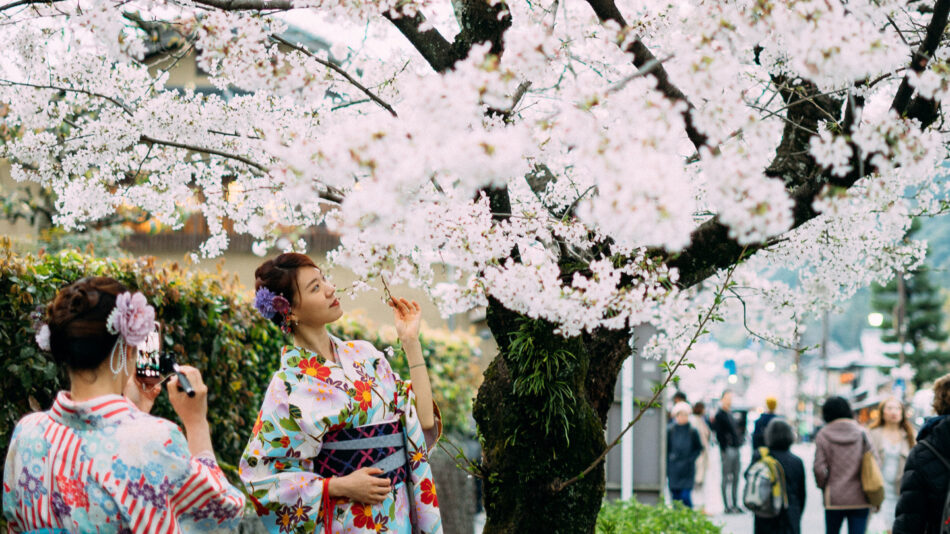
(279, 275)
(77, 322)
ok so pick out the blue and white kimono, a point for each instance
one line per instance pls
(104, 466)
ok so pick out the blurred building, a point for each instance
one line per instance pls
(863, 375)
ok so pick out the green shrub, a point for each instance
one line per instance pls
(211, 320)
(632, 517)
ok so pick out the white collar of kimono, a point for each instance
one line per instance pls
(93, 412)
(292, 350)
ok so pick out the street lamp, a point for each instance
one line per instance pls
(875, 319)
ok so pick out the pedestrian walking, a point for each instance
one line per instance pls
(839, 448)
(758, 431)
(779, 436)
(97, 461)
(698, 421)
(683, 447)
(727, 434)
(925, 483)
(678, 397)
(892, 437)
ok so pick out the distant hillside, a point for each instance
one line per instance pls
(936, 231)
(845, 327)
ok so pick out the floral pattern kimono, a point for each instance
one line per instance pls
(310, 397)
(104, 466)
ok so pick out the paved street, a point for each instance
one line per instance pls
(813, 521)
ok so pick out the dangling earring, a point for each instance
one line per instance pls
(118, 350)
(288, 324)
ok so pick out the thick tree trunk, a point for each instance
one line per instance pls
(521, 457)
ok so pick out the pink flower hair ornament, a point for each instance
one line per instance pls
(132, 318)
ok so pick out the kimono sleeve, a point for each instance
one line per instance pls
(193, 495)
(406, 401)
(11, 470)
(276, 466)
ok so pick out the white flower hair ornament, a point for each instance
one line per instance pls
(42, 335)
(132, 319)
(42, 338)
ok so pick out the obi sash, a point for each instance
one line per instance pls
(381, 446)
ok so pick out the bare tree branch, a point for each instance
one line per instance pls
(204, 150)
(330, 194)
(481, 22)
(336, 68)
(248, 5)
(125, 108)
(922, 55)
(607, 10)
(435, 48)
(18, 3)
(515, 99)
(224, 5)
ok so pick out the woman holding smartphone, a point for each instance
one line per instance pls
(96, 461)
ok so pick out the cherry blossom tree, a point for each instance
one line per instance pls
(576, 168)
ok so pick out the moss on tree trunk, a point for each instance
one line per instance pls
(522, 455)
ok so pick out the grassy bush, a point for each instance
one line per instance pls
(632, 517)
(211, 321)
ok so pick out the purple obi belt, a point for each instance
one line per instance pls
(381, 446)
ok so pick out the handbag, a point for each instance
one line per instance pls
(872, 481)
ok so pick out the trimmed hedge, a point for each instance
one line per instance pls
(632, 517)
(210, 319)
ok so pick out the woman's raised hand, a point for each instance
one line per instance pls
(191, 410)
(362, 486)
(407, 316)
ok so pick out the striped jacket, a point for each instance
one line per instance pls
(104, 466)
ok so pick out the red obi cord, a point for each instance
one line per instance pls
(328, 506)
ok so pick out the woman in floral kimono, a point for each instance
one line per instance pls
(341, 443)
(96, 461)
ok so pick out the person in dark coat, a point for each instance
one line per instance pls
(727, 434)
(683, 446)
(778, 437)
(758, 431)
(925, 483)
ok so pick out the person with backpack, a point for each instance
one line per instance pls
(839, 453)
(683, 446)
(786, 481)
(923, 504)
